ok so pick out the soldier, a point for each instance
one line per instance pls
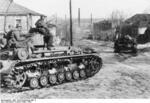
(15, 40)
(10, 37)
(117, 33)
(3, 41)
(13, 37)
(43, 29)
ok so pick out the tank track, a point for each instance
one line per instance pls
(44, 72)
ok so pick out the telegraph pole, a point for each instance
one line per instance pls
(91, 18)
(91, 24)
(79, 17)
(66, 28)
(71, 33)
(56, 19)
(65, 18)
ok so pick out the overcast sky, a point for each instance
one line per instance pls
(99, 8)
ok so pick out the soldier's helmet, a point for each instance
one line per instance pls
(42, 17)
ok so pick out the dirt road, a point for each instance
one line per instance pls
(122, 76)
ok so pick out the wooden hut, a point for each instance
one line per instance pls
(12, 14)
(141, 20)
(103, 30)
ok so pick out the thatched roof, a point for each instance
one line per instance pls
(140, 19)
(15, 9)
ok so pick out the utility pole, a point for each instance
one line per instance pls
(91, 19)
(71, 33)
(91, 25)
(79, 17)
(66, 28)
(56, 19)
(65, 18)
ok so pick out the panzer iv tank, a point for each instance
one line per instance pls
(125, 45)
(125, 41)
(20, 68)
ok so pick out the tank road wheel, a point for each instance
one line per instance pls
(76, 75)
(20, 80)
(34, 83)
(68, 76)
(22, 54)
(52, 79)
(61, 77)
(82, 74)
(43, 81)
(16, 79)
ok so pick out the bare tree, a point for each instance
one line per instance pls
(117, 17)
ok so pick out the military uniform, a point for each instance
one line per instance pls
(43, 29)
(16, 41)
(10, 39)
(3, 43)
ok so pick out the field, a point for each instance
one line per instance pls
(122, 76)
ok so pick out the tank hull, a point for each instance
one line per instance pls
(43, 72)
(125, 45)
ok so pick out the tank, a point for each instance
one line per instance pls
(125, 41)
(125, 45)
(20, 68)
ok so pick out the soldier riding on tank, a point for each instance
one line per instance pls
(3, 41)
(14, 39)
(43, 29)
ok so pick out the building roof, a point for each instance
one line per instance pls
(103, 25)
(15, 9)
(141, 19)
